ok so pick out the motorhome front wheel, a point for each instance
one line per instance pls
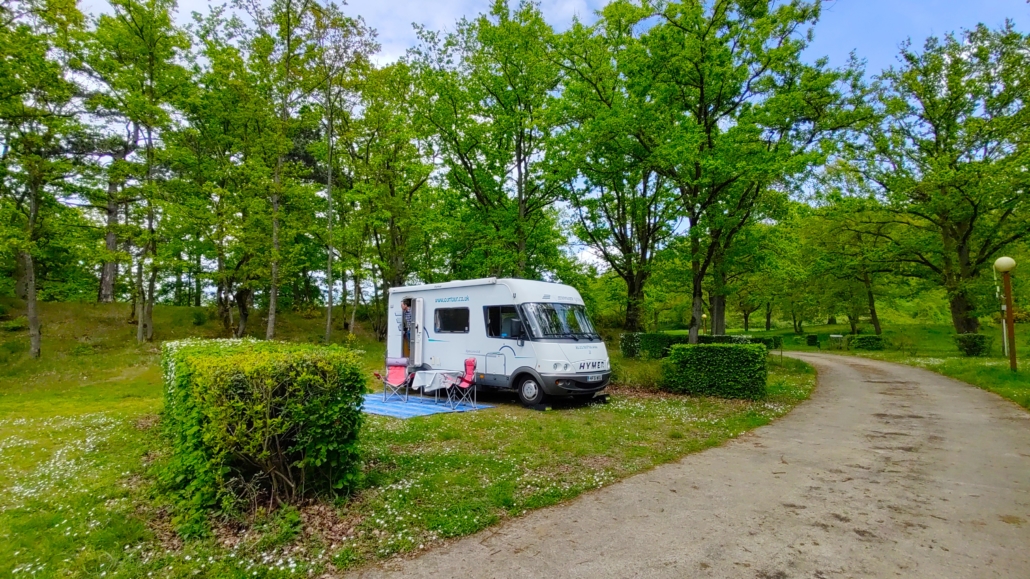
(530, 392)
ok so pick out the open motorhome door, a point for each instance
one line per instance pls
(418, 316)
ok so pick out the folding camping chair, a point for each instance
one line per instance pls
(463, 388)
(397, 378)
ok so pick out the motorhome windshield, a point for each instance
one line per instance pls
(553, 320)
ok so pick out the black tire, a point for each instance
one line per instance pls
(530, 391)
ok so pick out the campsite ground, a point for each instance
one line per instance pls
(79, 444)
(887, 471)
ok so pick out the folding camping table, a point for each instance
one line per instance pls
(433, 381)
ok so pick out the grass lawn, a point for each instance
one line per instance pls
(932, 347)
(78, 443)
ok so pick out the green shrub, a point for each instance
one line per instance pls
(199, 317)
(723, 370)
(770, 343)
(812, 340)
(655, 345)
(15, 325)
(973, 345)
(867, 342)
(250, 419)
(629, 344)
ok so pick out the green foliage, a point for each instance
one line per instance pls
(247, 418)
(722, 370)
(811, 340)
(947, 201)
(199, 317)
(18, 324)
(655, 345)
(629, 344)
(974, 345)
(770, 342)
(867, 342)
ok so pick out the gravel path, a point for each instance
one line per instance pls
(888, 471)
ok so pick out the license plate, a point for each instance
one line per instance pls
(595, 378)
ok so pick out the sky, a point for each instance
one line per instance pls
(874, 29)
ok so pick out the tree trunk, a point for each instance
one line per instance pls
(243, 296)
(35, 332)
(196, 282)
(697, 308)
(853, 321)
(148, 311)
(177, 298)
(718, 315)
(357, 295)
(872, 304)
(634, 301)
(747, 324)
(273, 291)
(329, 237)
(832, 320)
(719, 299)
(141, 300)
(109, 273)
(768, 316)
(962, 316)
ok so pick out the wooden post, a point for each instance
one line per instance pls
(1010, 319)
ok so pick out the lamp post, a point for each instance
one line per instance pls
(704, 323)
(1005, 265)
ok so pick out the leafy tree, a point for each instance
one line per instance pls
(36, 124)
(279, 50)
(947, 159)
(728, 111)
(623, 210)
(486, 91)
(133, 54)
(341, 45)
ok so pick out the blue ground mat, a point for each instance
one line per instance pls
(398, 408)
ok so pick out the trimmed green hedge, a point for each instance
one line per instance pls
(629, 344)
(867, 342)
(656, 345)
(812, 340)
(973, 345)
(723, 370)
(251, 420)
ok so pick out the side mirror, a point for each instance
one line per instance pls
(516, 330)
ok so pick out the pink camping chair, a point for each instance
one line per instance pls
(397, 378)
(463, 389)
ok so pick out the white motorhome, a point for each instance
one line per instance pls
(528, 336)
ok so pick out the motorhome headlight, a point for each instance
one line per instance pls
(556, 365)
(566, 367)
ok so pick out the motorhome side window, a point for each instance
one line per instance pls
(452, 320)
(498, 320)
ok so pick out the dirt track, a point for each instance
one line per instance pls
(888, 471)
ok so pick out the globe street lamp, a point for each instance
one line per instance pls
(1005, 265)
(704, 323)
